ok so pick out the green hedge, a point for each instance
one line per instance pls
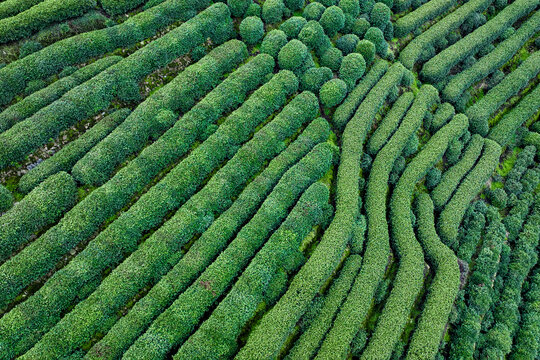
(251, 30)
(116, 7)
(332, 20)
(346, 110)
(526, 344)
(452, 177)
(478, 296)
(268, 337)
(309, 341)
(41, 15)
(33, 103)
(192, 304)
(471, 233)
(410, 275)
(443, 114)
(380, 15)
(180, 94)
(292, 55)
(443, 289)
(507, 126)
(480, 112)
(424, 44)
(333, 92)
(80, 48)
(65, 158)
(313, 11)
(438, 67)
(419, 16)
(378, 240)
(217, 336)
(147, 262)
(489, 63)
(352, 68)
(452, 214)
(210, 243)
(388, 125)
(97, 93)
(85, 218)
(292, 26)
(315, 77)
(42, 207)
(13, 7)
(506, 313)
(272, 11)
(6, 199)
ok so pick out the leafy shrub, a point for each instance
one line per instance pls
(272, 11)
(273, 42)
(497, 198)
(415, 19)
(380, 15)
(29, 47)
(376, 36)
(294, 4)
(312, 34)
(6, 199)
(350, 7)
(360, 27)
(251, 30)
(332, 58)
(292, 26)
(253, 9)
(433, 178)
(313, 11)
(332, 20)
(347, 43)
(367, 49)
(333, 92)
(352, 68)
(315, 77)
(292, 55)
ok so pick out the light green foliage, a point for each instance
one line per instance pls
(332, 20)
(333, 92)
(292, 55)
(352, 68)
(273, 42)
(292, 26)
(251, 30)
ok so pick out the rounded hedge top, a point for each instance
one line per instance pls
(238, 7)
(347, 43)
(272, 11)
(332, 20)
(292, 26)
(352, 68)
(380, 15)
(332, 58)
(315, 77)
(273, 42)
(333, 92)
(360, 27)
(367, 49)
(292, 55)
(313, 11)
(251, 30)
(350, 7)
(375, 35)
(253, 10)
(294, 4)
(6, 199)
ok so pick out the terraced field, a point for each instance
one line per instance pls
(270, 179)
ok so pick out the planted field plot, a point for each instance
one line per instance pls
(270, 179)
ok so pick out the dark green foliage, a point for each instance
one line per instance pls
(329, 2)
(437, 68)
(471, 230)
(352, 68)
(218, 235)
(433, 177)
(397, 170)
(366, 6)
(29, 47)
(253, 9)
(292, 26)
(347, 43)
(360, 27)
(42, 207)
(412, 146)
(452, 214)
(497, 198)
(333, 92)
(272, 11)
(388, 33)
(251, 30)
(315, 77)
(332, 20)
(6, 199)
(39, 16)
(178, 95)
(312, 34)
(313, 11)
(33, 103)
(376, 36)
(13, 7)
(367, 49)
(527, 340)
(332, 58)
(64, 159)
(85, 218)
(238, 7)
(273, 42)
(33, 86)
(350, 7)
(380, 15)
(453, 154)
(294, 4)
(292, 55)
